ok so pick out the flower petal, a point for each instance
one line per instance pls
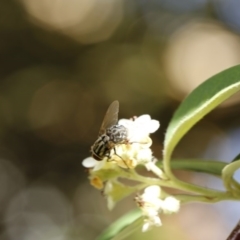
(144, 155)
(156, 170)
(126, 123)
(153, 126)
(170, 205)
(143, 119)
(89, 162)
(146, 226)
(153, 191)
(149, 223)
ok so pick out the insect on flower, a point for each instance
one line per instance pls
(110, 134)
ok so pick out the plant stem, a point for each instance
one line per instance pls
(196, 165)
(191, 198)
(175, 183)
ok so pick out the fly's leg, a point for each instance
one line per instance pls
(115, 152)
(108, 155)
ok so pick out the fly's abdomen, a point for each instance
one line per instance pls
(100, 148)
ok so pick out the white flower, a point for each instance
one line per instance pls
(89, 162)
(104, 164)
(150, 166)
(151, 205)
(130, 155)
(138, 150)
(170, 205)
(151, 200)
(150, 222)
(101, 171)
(107, 191)
(95, 165)
(139, 128)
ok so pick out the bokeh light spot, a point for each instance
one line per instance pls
(87, 21)
(198, 51)
(38, 213)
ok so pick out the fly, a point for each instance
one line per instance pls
(110, 134)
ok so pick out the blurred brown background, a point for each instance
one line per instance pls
(63, 63)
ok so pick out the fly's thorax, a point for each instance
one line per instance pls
(100, 148)
(117, 134)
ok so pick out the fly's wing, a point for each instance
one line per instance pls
(110, 118)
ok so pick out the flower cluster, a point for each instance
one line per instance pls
(151, 204)
(136, 152)
(123, 159)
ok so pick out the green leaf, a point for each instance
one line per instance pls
(123, 227)
(236, 158)
(201, 101)
(197, 165)
(134, 226)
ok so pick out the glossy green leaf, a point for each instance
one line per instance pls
(236, 158)
(201, 101)
(122, 227)
(129, 230)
